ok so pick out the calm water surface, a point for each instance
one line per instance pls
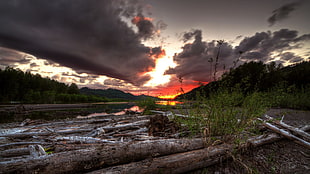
(67, 113)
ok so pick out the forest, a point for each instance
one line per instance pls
(286, 87)
(23, 87)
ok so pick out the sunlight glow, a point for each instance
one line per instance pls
(158, 76)
(168, 103)
(169, 96)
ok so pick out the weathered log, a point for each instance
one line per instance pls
(305, 128)
(170, 114)
(96, 132)
(187, 161)
(20, 144)
(31, 134)
(12, 131)
(175, 163)
(14, 152)
(80, 140)
(103, 156)
(65, 122)
(107, 155)
(134, 125)
(36, 150)
(294, 130)
(121, 127)
(264, 139)
(287, 135)
(25, 122)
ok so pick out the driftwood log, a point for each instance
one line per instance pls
(14, 152)
(187, 161)
(120, 127)
(175, 163)
(287, 134)
(103, 156)
(156, 155)
(104, 149)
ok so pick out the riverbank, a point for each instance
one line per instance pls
(18, 113)
(63, 139)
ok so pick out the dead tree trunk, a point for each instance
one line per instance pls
(175, 163)
(187, 161)
(109, 155)
(294, 130)
(14, 152)
(106, 155)
(288, 135)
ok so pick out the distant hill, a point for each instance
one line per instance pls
(256, 76)
(113, 94)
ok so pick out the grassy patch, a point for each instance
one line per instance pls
(224, 114)
(147, 104)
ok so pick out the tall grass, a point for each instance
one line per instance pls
(223, 114)
(147, 104)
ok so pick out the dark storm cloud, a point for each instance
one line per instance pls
(157, 52)
(282, 12)
(197, 59)
(9, 57)
(189, 35)
(146, 29)
(261, 45)
(88, 36)
(250, 43)
(113, 82)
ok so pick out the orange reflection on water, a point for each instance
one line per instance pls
(134, 108)
(171, 97)
(168, 102)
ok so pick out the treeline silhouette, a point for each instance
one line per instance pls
(23, 87)
(115, 94)
(288, 86)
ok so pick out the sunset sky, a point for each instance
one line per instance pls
(152, 47)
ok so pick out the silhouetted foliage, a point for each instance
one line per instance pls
(283, 84)
(114, 94)
(24, 87)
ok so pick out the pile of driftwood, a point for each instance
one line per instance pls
(119, 144)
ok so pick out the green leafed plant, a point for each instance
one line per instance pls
(224, 114)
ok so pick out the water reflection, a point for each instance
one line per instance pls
(64, 113)
(131, 110)
(168, 102)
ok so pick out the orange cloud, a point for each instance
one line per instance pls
(138, 19)
(170, 92)
(158, 53)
